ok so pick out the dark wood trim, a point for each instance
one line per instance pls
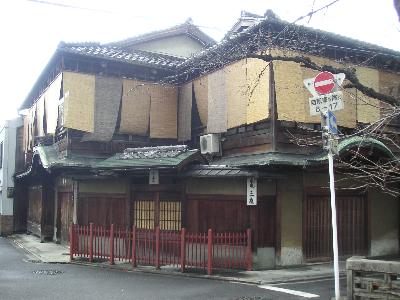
(216, 197)
(63, 189)
(225, 197)
(128, 205)
(253, 225)
(324, 191)
(91, 194)
(183, 207)
(156, 188)
(369, 225)
(303, 213)
(156, 209)
(278, 229)
(273, 112)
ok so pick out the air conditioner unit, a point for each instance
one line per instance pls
(209, 143)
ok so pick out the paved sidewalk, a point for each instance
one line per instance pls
(50, 252)
(47, 252)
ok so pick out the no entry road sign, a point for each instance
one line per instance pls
(324, 88)
(324, 83)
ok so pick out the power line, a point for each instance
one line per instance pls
(68, 6)
(44, 2)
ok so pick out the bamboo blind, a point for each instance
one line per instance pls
(32, 125)
(201, 94)
(185, 112)
(389, 84)
(107, 102)
(368, 109)
(237, 94)
(135, 108)
(258, 90)
(79, 91)
(163, 111)
(217, 102)
(52, 96)
(25, 138)
(40, 116)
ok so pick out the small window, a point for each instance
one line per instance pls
(1, 155)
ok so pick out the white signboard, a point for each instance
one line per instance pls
(332, 102)
(153, 177)
(251, 191)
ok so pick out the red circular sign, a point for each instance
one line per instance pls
(324, 83)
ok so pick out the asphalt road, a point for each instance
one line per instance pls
(20, 278)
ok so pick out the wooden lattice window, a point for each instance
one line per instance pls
(144, 214)
(170, 215)
(152, 209)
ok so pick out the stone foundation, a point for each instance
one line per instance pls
(6, 225)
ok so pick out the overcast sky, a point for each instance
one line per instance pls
(32, 29)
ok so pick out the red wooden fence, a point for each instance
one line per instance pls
(180, 249)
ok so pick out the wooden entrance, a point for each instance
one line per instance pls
(352, 219)
(65, 217)
(102, 209)
(229, 213)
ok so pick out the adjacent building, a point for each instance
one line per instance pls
(11, 161)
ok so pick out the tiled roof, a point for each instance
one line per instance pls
(252, 40)
(289, 159)
(163, 157)
(215, 171)
(153, 152)
(170, 159)
(117, 54)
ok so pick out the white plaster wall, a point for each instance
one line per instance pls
(264, 258)
(384, 224)
(291, 256)
(181, 46)
(386, 245)
(8, 135)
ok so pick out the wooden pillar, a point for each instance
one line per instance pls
(56, 208)
(183, 206)
(156, 209)
(278, 221)
(76, 192)
(253, 225)
(273, 111)
(128, 204)
(369, 220)
(42, 211)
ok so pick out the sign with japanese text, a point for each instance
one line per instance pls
(251, 191)
(332, 102)
(153, 177)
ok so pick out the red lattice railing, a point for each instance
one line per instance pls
(155, 247)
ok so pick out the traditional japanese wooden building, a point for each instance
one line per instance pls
(132, 137)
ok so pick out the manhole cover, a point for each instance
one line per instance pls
(47, 272)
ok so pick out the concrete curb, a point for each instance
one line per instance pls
(205, 276)
(139, 269)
